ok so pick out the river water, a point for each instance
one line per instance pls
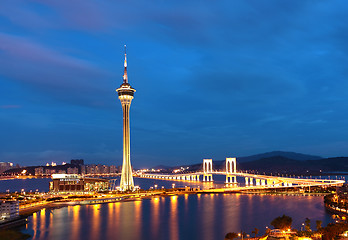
(202, 216)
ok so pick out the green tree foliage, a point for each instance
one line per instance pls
(231, 235)
(256, 231)
(283, 222)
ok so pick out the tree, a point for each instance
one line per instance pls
(332, 230)
(308, 225)
(256, 231)
(283, 222)
(231, 235)
(318, 225)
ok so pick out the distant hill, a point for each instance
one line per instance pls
(161, 167)
(289, 155)
(282, 163)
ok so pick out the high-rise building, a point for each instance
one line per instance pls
(126, 94)
(77, 162)
(5, 166)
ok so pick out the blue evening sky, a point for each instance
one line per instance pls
(214, 79)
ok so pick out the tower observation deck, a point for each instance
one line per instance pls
(126, 94)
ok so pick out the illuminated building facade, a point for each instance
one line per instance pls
(9, 210)
(76, 183)
(126, 94)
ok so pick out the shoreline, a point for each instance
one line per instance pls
(123, 198)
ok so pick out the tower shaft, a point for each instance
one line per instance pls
(127, 182)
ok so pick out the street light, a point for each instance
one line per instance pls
(241, 234)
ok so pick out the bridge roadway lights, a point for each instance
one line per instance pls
(269, 182)
(257, 182)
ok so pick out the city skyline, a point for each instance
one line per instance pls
(215, 79)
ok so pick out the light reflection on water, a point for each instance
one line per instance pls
(201, 216)
(173, 226)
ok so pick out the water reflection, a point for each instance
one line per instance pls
(202, 216)
(95, 228)
(138, 219)
(75, 226)
(208, 216)
(155, 213)
(174, 228)
(34, 221)
(231, 212)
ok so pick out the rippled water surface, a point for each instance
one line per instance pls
(202, 216)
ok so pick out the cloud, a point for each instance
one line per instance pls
(78, 13)
(210, 76)
(37, 14)
(58, 75)
(10, 106)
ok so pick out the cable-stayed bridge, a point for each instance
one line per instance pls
(252, 181)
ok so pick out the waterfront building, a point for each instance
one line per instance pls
(50, 171)
(39, 171)
(67, 183)
(126, 94)
(9, 210)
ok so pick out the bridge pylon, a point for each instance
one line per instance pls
(231, 170)
(207, 170)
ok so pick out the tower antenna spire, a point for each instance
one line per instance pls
(125, 76)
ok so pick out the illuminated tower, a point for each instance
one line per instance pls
(125, 94)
